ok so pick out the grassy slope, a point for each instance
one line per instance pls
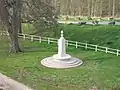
(99, 69)
(107, 35)
(101, 35)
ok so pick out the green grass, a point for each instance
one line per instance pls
(103, 35)
(107, 35)
(99, 69)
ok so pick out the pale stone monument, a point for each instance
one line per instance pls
(61, 60)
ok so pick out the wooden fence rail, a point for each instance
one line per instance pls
(69, 43)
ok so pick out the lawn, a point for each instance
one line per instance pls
(99, 69)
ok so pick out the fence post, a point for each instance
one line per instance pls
(76, 44)
(106, 50)
(117, 52)
(40, 40)
(96, 48)
(24, 36)
(48, 40)
(86, 46)
(31, 38)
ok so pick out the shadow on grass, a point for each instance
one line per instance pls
(39, 49)
(31, 49)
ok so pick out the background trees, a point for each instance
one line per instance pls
(97, 8)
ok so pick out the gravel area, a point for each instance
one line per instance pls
(6, 83)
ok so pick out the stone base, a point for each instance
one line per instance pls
(65, 57)
(54, 63)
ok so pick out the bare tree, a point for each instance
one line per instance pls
(90, 8)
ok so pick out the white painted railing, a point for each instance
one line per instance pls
(71, 43)
(68, 43)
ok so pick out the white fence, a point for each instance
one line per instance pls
(68, 43)
(71, 43)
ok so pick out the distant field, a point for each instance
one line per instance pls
(99, 69)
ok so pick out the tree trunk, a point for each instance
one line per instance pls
(14, 26)
(89, 8)
(113, 11)
(110, 9)
(13, 34)
(12, 21)
(14, 43)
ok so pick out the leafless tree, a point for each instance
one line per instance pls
(90, 8)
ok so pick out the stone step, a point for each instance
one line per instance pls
(53, 63)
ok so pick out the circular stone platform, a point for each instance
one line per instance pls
(51, 62)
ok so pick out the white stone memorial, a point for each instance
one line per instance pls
(61, 60)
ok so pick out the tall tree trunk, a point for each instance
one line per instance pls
(14, 43)
(15, 27)
(11, 18)
(113, 11)
(109, 5)
(101, 8)
(89, 8)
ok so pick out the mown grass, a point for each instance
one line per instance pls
(99, 69)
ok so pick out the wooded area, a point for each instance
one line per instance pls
(90, 8)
